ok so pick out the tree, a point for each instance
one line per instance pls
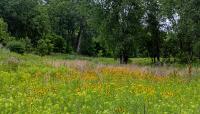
(184, 16)
(152, 21)
(69, 20)
(120, 26)
(25, 18)
(189, 25)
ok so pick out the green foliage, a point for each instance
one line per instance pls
(69, 19)
(188, 26)
(16, 46)
(28, 44)
(44, 46)
(196, 49)
(25, 18)
(119, 29)
(87, 46)
(4, 36)
(100, 53)
(59, 43)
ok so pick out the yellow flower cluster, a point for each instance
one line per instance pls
(81, 93)
(89, 76)
(43, 91)
(139, 89)
(167, 94)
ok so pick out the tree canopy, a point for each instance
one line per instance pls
(120, 29)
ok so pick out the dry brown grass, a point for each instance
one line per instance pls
(161, 71)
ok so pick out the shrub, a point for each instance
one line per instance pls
(16, 46)
(44, 47)
(28, 45)
(3, 31)
(59, 43)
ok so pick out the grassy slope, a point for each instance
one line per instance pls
(31, 84)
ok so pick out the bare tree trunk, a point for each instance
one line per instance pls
(79, 44)
(79, 37)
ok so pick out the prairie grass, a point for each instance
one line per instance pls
(51, 85)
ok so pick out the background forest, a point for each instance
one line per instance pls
(167, 29)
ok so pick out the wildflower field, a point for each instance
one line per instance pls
(41, 85)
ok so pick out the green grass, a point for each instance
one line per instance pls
(101, 60)
(30, 84)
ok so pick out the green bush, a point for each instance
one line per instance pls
(44, 47)
(28, 45)
(59, 43)
(16, 46)
(3, 31)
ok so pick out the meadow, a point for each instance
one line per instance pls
(64, 85)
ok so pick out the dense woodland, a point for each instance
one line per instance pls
(168, 29)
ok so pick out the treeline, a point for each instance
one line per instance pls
(110, 28)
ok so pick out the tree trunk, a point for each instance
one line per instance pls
(123, 59)
(158, 57)
(79, 37)
(158, 45)
(126, 60)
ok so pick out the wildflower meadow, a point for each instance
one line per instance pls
(46, 86)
